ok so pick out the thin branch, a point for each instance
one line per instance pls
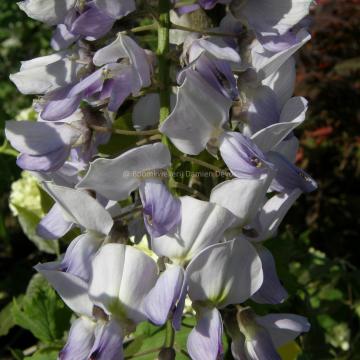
(201, 163)
(136, 209)
(149, 140)
(190, 190)
(204, 31)
(184, 3)
(143, 28)
(125, 132)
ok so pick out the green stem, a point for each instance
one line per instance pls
(205, 32)
(125, 132)
(169, 335)
(184, 3)
(164, 64)
(201, 163)
(188, 189)
(143, 28)
(6, 150)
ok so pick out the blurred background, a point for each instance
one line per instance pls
(317, 251)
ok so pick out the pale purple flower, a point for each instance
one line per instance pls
(264, 334)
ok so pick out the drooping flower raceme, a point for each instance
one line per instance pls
(121, 143)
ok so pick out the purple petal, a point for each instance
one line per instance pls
(243, 158)
(65, 101)
(209, 4)
(62, 38)
(108, 342)
(92, 23)
(162, 212)
(219, 75)
(271, 291)
(238, 348)
(53, 225)
(261, 347)
(179, 309)
(204, 341)
(59, 109)
(121, 89)
(89, 85)
(80, 340)
(187, 9)
(289, 177)
(48, 162)
(79, 255)
(164, 295)
(277, 43)
(115, 8)
(283, 328)
(258, 342)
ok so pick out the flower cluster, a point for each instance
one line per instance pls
(223, 88)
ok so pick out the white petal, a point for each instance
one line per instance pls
(274, 15)
(47, 73)
(205, 340)
(288, 148)
(226, 273)
(122, 277)
(292, 115)
(283, 328)
(71, 289)
(272, 214)
(177, 37)
(116, 8)
(39, 138)
(217, 48)
(125, 47)
(202, 224)
(282, 82)
(80, 340)
(199, 114)
(243, 197)
(48, 11)
(266, 63)
(116, 178)
(80, 208)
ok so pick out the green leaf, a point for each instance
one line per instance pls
(17, 354)
(43, 313)
(6, 318)
(329, 293)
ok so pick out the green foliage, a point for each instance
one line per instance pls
(26, 202)
(44, 354)
(7, 320)
(149, 337)
(20, 39)
(42, 312)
